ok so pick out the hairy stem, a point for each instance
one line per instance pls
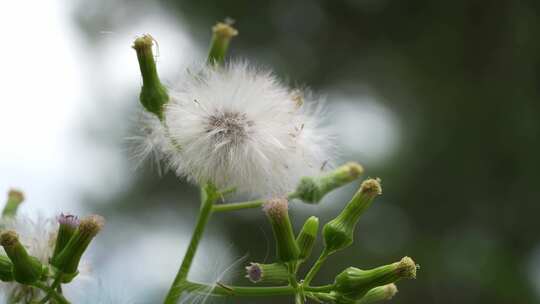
(208, 198)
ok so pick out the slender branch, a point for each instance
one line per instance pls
(208, 198)
(237, 206)
(244, 205)
(315, 268)
(57, 297)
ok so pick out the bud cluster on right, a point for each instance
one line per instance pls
(352, 285)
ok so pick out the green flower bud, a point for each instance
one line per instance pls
(15, 198)
(276, 273)
(26, 269)
(153, 94)
(338, 233)
(277, 212)
(222, 34)
(381, 293)
(68, 259)
(307, 237)
(353, 283)
(66, 228)
(6, 269)
(312, 190)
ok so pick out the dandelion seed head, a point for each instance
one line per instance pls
(239, 126)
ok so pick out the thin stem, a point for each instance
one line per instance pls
(56, 283)
(313, 271)
(208, 199)
(244, 205)
(57, 297)
(237, 206)
(243, 291)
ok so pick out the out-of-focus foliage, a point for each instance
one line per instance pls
(461, 193)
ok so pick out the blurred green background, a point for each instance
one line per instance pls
(440, 99)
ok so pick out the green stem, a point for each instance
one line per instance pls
(57, 281)
(237, 206)
(241, 291)
(313, 271)
(209, 197)
(57, 297)
(244, 205)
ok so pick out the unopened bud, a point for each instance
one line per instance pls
(313, 189)
(153, 94)
(278, 214)
(307, 237)
(15, 198)
(338, 233)
(354, 283)
(26, 269)
(222, 34)
(67, 225)
(6, 269)
(378, 294)
(275, 273)
(68, 259)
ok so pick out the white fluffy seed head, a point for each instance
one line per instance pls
(238, 126)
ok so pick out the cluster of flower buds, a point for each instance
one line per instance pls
(19, 266)
(353, 285)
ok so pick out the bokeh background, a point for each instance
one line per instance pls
(441, 99)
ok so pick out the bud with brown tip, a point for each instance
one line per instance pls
(26, 269)
(278, 214)
(354, 284)
(338, 233)
(313, 189)
(15, 198)
(222, 33)
(153, 94)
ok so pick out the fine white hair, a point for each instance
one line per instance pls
(239, 126)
